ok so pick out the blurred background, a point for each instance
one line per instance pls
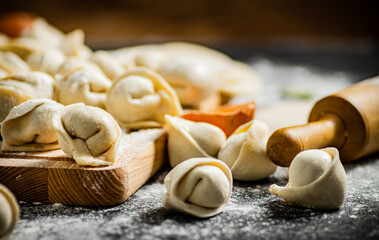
(325, 36)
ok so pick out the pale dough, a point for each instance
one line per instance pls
(317, 179)
(141, 98)
(245, 152)
(198, 186)
(29, 126)
(87, 134)
(188, 139)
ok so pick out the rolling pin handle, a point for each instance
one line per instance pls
(284, 144)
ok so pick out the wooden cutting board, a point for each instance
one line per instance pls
(51, 177)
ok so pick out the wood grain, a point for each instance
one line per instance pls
(51, 177)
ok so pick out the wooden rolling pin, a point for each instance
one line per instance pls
(347, 120)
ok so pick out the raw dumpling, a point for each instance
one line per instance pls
(11, 63)
(34, 84)
(108, 64)
(140, 98)
(87, 134)
(245, 152)
(87, 85)
(187, 139)
(73, 45)
(48, 60)
(198, 186)
(9, 212)
(29, 126)
(198, 74)
(10, 97)
(21, 46)
(317, 179)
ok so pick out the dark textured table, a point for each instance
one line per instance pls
(252, 212)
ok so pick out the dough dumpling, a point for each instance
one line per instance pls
(48, 60)
(10, 97)
(87, 134)
(11, 63)
(245, 152)
(188, 139)
(108, 64)
(140, 98)
(29, 126)
(86, 85)
(317, 179)
(198, 186)
(197, 73)
(9, 212)
(34, 84)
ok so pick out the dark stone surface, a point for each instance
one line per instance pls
(252, 212)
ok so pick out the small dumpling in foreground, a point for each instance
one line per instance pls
(188, 139)
(245, 152)
(87, 134)
(198, 186)
(140, 98)
(29, 126)
(34, 84)
(317, 179)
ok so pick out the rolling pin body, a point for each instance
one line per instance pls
(347, 120)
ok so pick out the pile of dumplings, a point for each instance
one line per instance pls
(56, 93)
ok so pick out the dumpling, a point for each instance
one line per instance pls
(317, 179)
(108, 64)
(10, 97)
(87, 134)
(21, 46)
(29, 126)
(9, 212)
(34, 84)
(193, 78)
(187, 139)
(49, 60)
(87, 85)
(140, 98)
(245, 152)
(198, 186)
(11, 63)
(73, 64)
(198, 74)
(73, 45)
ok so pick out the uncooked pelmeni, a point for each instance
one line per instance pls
(245, 152)
(187, 139)
(10, 97)
(198, 186)
(35, 84)
(9, 212)
(197, 73)
(49, 60)
(141, 98)
(73, 45)
(86, 85)
(11, 63)
(29, 126)
(108, 64)
(21, 46)
(87, 134)
(317, 179)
